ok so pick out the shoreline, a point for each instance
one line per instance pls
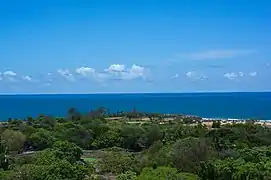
(203, 119)
(234, 119)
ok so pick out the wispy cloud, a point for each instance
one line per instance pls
(217, 54)
(85, 71)
(175, 76)
(235, 75)
(66, 74)
(47, 79)
(116, 68)
(26, 78)
(231, 75)
(253, 74)
(241, 74)
(118, 71)
(195, 75)
(9, 75)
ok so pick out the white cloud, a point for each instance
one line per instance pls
(134, 72)
(119, 71)
(49, 77)
(137, 69)
(253, 74)
(218, 54)
(66, 74)
(26, 78)
(116, 68)
(85, 71)
(113, 72)
(48, 80)
(13, 77)
(195, 76)
(9, 73)
(175, 76)
(190, 74)
(231, 75)
(241, 74)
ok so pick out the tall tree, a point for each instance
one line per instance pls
(14, 140)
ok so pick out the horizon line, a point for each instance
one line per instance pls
(95, 93)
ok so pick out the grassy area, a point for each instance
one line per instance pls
(89, 159)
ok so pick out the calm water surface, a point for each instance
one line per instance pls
(219, 105)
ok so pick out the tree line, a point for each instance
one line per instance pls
(60, 148)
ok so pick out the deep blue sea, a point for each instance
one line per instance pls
(210, 105)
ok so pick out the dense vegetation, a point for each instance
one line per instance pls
(136, 146)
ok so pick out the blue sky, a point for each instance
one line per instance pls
(68, 46)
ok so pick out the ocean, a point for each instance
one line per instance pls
(255, 105)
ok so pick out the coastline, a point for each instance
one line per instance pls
(234, 119)
(203, 119)
(209, 121)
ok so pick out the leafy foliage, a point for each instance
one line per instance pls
(132, 146)
(14, 140)
(162, 173)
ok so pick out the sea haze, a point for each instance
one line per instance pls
(256, 105)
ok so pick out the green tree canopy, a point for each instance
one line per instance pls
(162, 173)
(13, 139)
(188, 153)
